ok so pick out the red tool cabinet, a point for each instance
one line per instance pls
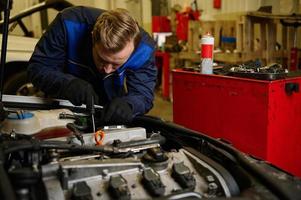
(258, 117)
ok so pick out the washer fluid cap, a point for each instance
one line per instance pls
(20, 116)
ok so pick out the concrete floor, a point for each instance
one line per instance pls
(162, 108)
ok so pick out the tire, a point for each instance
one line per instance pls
(17, 84)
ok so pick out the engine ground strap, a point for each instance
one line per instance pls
(99, 137)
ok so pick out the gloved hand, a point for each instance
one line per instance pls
(118, 111)
(80, 92)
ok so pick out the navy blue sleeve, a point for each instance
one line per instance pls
(46, 66)
(140, 85)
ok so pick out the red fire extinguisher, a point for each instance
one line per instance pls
(217, 4)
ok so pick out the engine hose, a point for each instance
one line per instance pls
(21, 145)
(76, 132)
(15, 146)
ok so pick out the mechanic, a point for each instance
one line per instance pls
(89, 53)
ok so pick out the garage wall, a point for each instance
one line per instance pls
(227, 6)
(232, 6)
(237, 6)
(139, 9)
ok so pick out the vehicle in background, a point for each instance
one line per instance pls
(20, 48)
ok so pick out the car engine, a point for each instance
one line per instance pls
(130, 163)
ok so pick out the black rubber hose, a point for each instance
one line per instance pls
(15, 146)
(76, 132)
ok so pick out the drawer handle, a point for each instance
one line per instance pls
(291, 87)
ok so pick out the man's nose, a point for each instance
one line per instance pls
(108, 68)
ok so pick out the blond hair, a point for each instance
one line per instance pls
(114, 29)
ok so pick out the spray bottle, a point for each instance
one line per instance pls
(207, 46)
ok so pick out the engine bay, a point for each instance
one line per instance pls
(128, 162)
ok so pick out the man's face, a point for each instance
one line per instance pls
(109, 62)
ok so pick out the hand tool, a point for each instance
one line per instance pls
(92, 114)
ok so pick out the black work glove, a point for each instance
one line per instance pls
(80, 92)
(118, 111)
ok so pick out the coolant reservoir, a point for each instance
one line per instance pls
(31, 122)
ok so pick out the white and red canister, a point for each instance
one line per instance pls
(207, 46)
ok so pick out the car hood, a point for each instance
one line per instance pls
(20, 43)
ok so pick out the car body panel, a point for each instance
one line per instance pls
(19, 48)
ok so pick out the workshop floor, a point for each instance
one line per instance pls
(162, 108)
